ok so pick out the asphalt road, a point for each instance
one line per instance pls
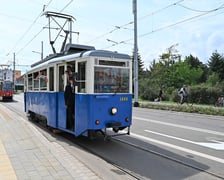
(164, 145)
(194, 139)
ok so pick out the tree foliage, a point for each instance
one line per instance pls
(216, 64)
(141, 71)
(170, 72)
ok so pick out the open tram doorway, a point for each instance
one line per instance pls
(66, 96)
(69, 95)
(71, 83)
(61, 83)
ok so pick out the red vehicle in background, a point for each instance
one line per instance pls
(6, 90)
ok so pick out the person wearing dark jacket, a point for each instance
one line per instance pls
(69, 104)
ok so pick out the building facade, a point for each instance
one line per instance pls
(6, 74)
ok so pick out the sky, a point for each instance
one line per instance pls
(192, 27)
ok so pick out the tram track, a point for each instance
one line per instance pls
(83, 143)
(124, 170)
(169, 158)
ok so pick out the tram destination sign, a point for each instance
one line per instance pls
(111, 63)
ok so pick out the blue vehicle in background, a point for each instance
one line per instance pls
(102, 93)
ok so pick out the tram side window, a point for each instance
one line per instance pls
(82, 77)
(51, 79)
(35, 81)
(43, 79)
(30, 81)
(61, 78)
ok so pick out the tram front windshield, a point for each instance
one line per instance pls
(7, 86)
(111, 80)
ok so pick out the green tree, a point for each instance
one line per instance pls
(167, 61)
(141, 71)
(216, 64)
(186, 74)
(213, 79)
(195, 63)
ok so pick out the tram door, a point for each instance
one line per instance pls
(61, 109)
(66, 97)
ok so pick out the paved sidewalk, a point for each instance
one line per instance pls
(26, 154)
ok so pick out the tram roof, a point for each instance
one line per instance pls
(93, 53)
(104, 53)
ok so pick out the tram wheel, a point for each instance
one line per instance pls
(116, 130)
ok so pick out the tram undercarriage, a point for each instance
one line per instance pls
(107, 133)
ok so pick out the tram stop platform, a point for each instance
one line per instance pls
(25, 153)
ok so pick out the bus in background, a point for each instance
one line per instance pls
(6, 90)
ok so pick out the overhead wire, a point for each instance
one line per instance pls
(171, 25)
(159, 10)
(198, 10)
(28, 29)
(15, 17)
(66, 6)
(182, 21)
(111, 31)
(132, 22)
(42, 28)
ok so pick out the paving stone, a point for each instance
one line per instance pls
(26, 154)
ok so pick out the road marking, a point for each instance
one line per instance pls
(6, 169)
(213, 158)
(217, 145)
(181, 126)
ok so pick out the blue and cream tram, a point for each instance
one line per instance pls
(102, 92)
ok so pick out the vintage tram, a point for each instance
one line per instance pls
(6, 90)
(102, 91)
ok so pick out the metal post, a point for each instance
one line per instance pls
(136, 104)
(13, 74)
(70, 31)
(42, 50)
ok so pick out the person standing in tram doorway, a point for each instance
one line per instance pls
(69, 104)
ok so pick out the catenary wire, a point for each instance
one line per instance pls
(132, 22)
(41, 30)
(197, 10)
(29, 28)
(171, 25)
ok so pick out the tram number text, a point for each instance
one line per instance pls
(123, 98)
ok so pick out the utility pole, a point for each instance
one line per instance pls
(136, 104)
(13, 74)
(41, 53)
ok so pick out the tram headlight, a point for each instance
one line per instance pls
(113, 110)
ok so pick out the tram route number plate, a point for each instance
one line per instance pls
(123, 98)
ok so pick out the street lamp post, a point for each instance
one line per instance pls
(41, 53)
(136, 103)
